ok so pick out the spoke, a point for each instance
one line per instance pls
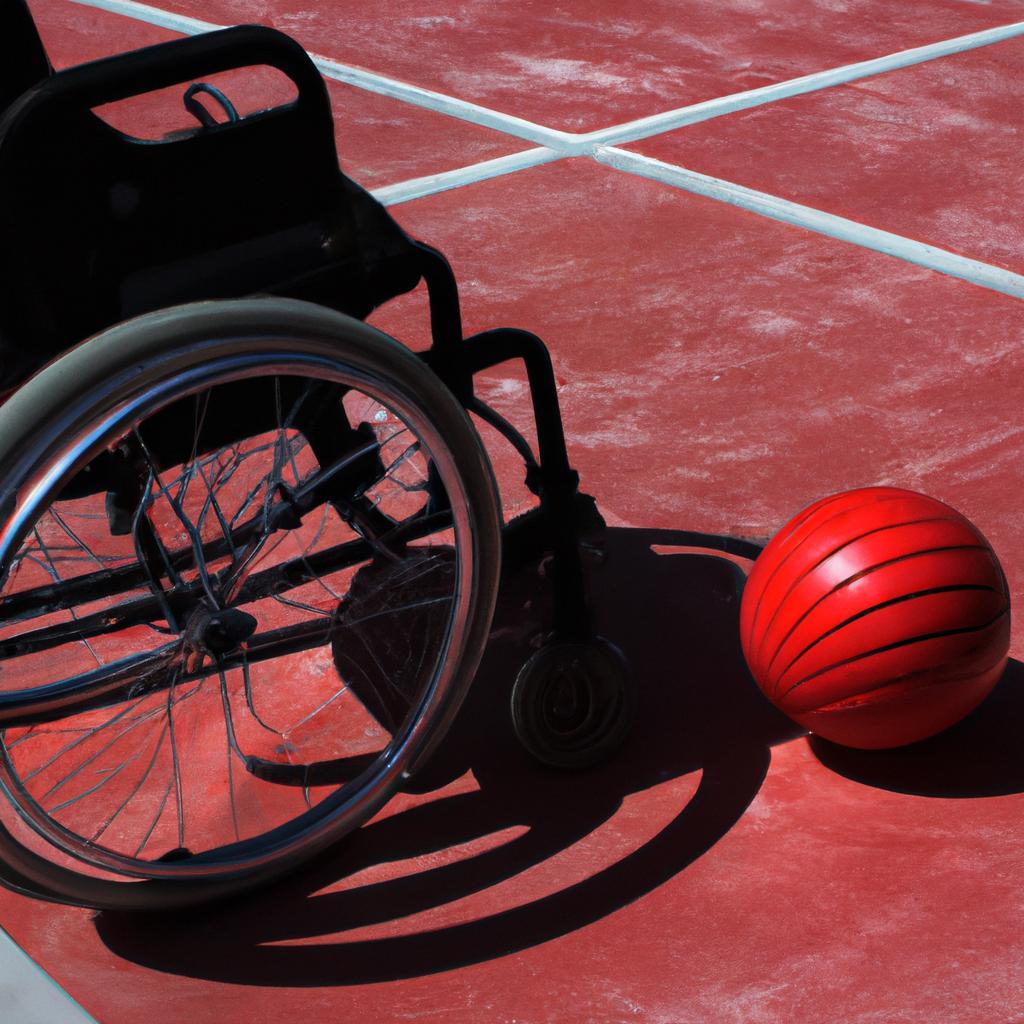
(147, 545)
(99, 785)
(56, 576)
(144, 672)
(250, 498)
(231, 796)
(135, 789)
(91, 587)
(75, 772)
(302, 606)
(100, 687)
(425, 603)
(187, 524)
(178, 800)
(302, 500)
(304, 557)
(82, 589)
(87, 734)
(229, 721)
(232, 745)
(401, 459)
(316, 711)
(75, 539)
(200, 406)
(250, 700)
(211, 502)
(156, 819)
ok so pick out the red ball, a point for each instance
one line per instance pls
(876, 617)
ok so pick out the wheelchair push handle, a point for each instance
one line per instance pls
(182, 60)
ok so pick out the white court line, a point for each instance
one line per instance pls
(575, 143)
(28, 995)
(153, 16)
(564, 142)
(555, 144)
(368, 81)
(766, 205)
(644, 127)
(431, 184)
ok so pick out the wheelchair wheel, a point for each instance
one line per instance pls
(573, 704)
(248, 562)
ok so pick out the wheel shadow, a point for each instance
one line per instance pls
(674, 614)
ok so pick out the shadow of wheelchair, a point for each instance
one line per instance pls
(674, 614)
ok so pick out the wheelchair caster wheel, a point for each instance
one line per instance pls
(573, 703)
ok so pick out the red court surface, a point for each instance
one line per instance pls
(580, 67)
(718, 371)
(929, 152)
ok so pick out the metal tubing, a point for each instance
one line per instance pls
(556, 483)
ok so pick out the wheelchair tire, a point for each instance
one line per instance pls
(573, 704)
(209, 513)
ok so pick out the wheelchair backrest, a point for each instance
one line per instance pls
(23, 60)
(97, 226)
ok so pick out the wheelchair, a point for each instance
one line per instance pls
(250, 545)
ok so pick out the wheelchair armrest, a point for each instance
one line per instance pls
(156, 67)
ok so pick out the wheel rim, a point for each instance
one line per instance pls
(144, 785)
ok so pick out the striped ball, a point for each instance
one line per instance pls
(876, 617)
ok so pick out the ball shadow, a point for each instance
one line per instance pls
(675, 617)
(979, 756)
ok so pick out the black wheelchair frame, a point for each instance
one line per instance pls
(99, 228)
